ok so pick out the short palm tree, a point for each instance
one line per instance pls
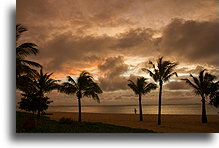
(44, 83)
(38, 85)
(84, 86)
(161, 73)
(22, 51)
(141, 88)
(201, 86)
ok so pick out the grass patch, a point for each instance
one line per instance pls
(66, 125)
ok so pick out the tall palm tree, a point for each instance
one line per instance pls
(22, 51)
(38, 85)
(161, 73)
(201, 86)
(140, 88)
(84, 86)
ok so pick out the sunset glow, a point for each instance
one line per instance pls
(115, 39)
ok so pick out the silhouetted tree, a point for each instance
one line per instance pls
(22, 51)
(84, 86)
(141, 88)
(214, 94)
(34, 102)
(36, 87)
(161, 73)
(201, 86)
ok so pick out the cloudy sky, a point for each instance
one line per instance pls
(114, 39)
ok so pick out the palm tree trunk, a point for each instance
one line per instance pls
(41, 96)
(140, 108)
(159, 103)
(79, 109)
(204, 117)
(38, 114)
(33, 114)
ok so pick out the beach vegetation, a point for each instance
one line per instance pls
(47, 125)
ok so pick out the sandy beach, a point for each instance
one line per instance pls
(170, 123)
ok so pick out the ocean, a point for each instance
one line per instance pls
(147, 109)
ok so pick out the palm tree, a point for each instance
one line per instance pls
(201, 86)
(161, 73)
(214, 94)
(141, 88)
(84, 86)
(22, 51)
(38, 85)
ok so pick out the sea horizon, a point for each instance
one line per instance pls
(121, 105)
(182, 109)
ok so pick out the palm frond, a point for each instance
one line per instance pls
(166, 78)
(152, 64)
(159, 63)
(197, 82)
(29, 86)
(201, 75)
(22, 69)
(85, 79)
(209, 77)
(91, 94)
(31, 63)
(70, 79)
(67, 88)
(92, 91)
(169, 69)
(196, 89)
(133, 86)
(149, 87)
(153, 75)
(85, 86)
(19, 30)
(141, 82)
(26, 49)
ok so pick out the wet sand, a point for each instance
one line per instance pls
(170, 123)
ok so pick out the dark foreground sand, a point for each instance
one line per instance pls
(170, 123)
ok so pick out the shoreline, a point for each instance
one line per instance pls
(171, 123)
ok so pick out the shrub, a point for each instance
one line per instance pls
(66, 121)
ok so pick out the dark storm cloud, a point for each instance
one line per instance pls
(192, 41)
(137, 41)
(112, 70)
(67, 48)
(80, 14)
(106, 13)
(113, 66)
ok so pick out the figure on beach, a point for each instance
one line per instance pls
(135, 110)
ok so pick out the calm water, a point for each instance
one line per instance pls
(147, 109)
